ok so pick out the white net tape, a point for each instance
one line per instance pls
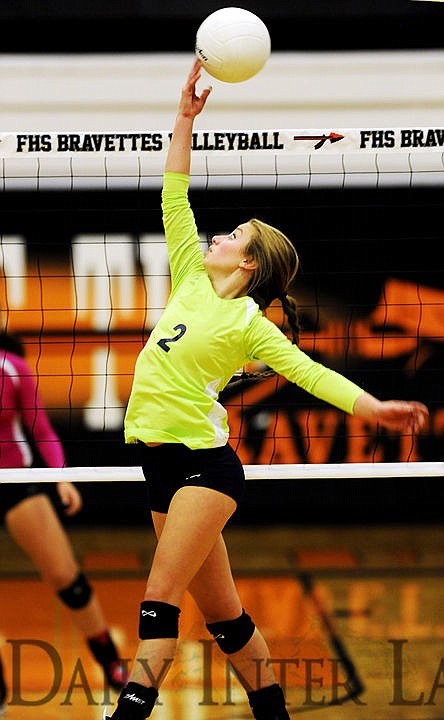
(252, 472)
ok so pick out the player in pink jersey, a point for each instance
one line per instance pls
(30, 511)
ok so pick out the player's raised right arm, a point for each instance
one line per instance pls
(179, 152)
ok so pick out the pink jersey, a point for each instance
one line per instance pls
(22, 414)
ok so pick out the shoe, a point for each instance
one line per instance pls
(116, 675)
(2, 712)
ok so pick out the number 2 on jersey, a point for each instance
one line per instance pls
(163, 343)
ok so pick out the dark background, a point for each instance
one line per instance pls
(45, 26)
(349, 242)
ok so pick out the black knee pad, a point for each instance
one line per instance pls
(158, 620)
(232, 635)
(78, 594)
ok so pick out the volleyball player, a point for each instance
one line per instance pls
(212, 325)
(30, 510)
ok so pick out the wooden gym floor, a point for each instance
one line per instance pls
(383, 587)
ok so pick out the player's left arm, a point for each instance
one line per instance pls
(273, 348)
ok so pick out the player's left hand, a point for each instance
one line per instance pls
(402, 415)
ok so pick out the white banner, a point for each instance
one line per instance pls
(272, 159)
(327, 140)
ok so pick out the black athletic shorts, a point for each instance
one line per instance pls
(11, 494)
(170, 466)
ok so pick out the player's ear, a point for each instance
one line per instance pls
(248, 264)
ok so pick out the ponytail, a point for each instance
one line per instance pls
(290, 309)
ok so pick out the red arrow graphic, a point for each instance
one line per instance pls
(333, 137)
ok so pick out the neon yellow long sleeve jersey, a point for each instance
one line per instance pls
(201, 340)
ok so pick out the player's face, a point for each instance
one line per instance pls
(226, 252)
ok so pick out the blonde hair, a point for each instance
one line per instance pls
(277, 264)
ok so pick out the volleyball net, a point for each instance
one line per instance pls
(84, 278)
